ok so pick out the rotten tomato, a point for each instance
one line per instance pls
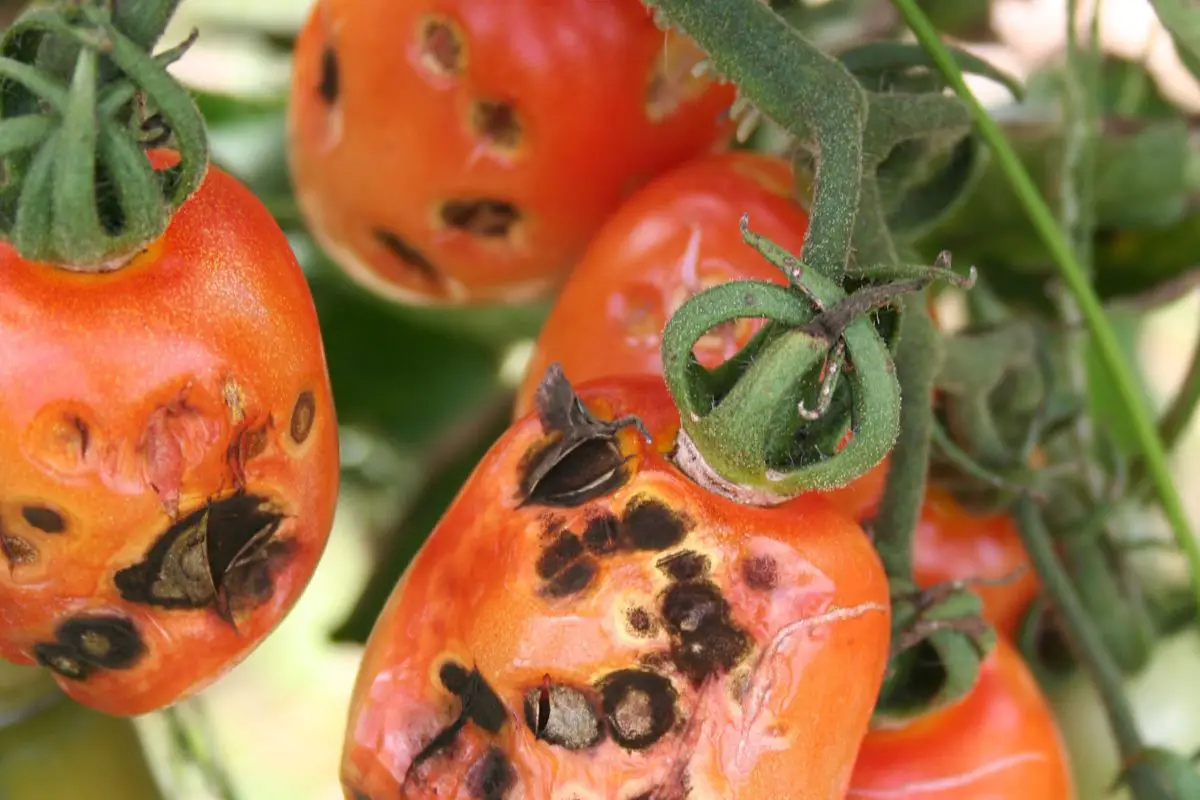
(587, 622)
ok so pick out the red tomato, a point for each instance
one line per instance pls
(466, 150)
(951, 544)
(1000, 741)
(585, 621)
(170, 454)
(676, 236)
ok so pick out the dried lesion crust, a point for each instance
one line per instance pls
(87, 643)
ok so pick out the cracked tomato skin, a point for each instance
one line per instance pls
(170, 462)
(458, 151)
(619, 634)
(1000, 741)
(675, 237)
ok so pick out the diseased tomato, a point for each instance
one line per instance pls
(1165, 705)
(466, 150)
(952, 544)
(676, 236)
(169, 454)
(587, 622)
(1000, 741)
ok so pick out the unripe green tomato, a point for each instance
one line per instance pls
(67, 751)
(1165, 703)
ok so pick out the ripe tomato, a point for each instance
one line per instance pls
(951, 544)
(169, 454)
(678, 235)
(585, 621)
(1165, 705)
(458, 150)
(1000, 741)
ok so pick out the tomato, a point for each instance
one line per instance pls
(168, 454)
(585, 621)
(1165, 704)
(951, 543)
(457, 150)
(1000, 741)
(678, 235)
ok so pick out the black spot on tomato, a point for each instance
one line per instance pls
(491, 776)
(304, 413)
(419, 266)
(572, 580)
(329, 84)
(704, 638)
(648, 524)
(561, 552)
(640, 621)
(482, 217)
(760, 572)
(639, 707)
(497, 123)
(480, 703)
(685, 565)
(454, 677)
(46, 520)
(601, 534)
(562, 716)
(91, 642)
(220, 556)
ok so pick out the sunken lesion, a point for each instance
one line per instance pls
(760, 573)
(416, 264)
(564, 566)
(304, 416)
(88, 643)
(497, 124)
(481, 217)
(492, 777)
(563, 716)
(17, 550)
(441, 45)
(705, 640)
(220, 556)
(44, 518)
(329, 83)
(639, 707)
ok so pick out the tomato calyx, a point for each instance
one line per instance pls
(81, 99)
(581, 458)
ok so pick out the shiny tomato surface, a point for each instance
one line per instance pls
(448, 151)
(170, 454)
(587, 622)
(1000, 742)
(675, 237)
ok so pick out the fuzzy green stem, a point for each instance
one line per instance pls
(1106, 342)
(918, 356)
(790, 80)
(1087, 645)
(84, 196)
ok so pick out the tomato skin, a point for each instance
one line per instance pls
(1000, 741)
(179, 403)
(952, 544)
(446, 129)
(474, 595)
(1165, 706)
(674, 237)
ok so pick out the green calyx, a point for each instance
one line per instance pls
(81, 192)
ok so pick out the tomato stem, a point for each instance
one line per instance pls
(78, 91)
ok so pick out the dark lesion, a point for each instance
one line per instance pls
(564, 716)
(88, 643)
(442, 47)
(705, 640)
(329, 85)
(497, 123)
(44, 518)
(564, 566)
(639, 707)
(219, 556)
(17, 550)
(417, 264)
(481, 217)
(579, 458)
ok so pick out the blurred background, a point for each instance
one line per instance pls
(275, 724)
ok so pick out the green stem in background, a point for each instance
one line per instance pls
(1088, 647)
(1107, 346)
(918, 357)
(84, 197)
(793, 82)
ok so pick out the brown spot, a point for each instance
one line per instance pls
(220, 555)
(649, 524)
(639, 707)
(497, 123)
(601, 534)
(304, 413)
(492, 776)
(418, 266)
(442, 47)
(670, 83)
(570, 723)
(19, 552)
(88, 643)
(705, 639)
(330, 83)
(640, 621)
(572, 580)
(560, 553)
(45, 519)
(760, 572)
(483, 217)
(686, 565)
